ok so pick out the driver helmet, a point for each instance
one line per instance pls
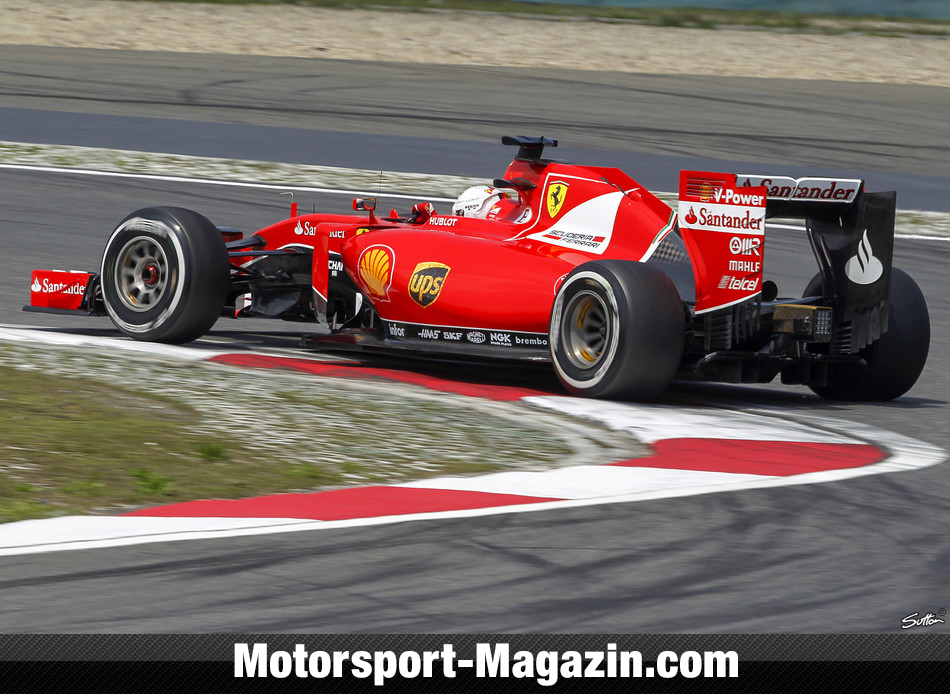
(480, 202)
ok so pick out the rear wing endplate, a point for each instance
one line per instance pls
(851, 233)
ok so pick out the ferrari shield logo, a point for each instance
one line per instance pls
(557, 191)
(425, 285)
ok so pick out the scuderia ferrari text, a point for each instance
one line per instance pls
(491, 661)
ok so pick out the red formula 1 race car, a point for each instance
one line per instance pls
(575, 265)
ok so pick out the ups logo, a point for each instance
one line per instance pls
(425, 285)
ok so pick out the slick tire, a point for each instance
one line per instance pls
(165, 275)
(617, 330)
(895, 361)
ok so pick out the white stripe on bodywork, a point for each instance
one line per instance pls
(592, 218)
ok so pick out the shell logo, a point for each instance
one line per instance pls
(376, 270)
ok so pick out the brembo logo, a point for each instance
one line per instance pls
(375, 268)
(863, 267)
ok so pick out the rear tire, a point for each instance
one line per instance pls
(895, 361)
(617, 330)
(165, 275)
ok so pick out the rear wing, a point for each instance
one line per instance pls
(804, 197)
(851, 233)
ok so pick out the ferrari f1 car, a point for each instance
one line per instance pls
(576, 265)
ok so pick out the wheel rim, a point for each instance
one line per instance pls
(586, 330)
(141, 274)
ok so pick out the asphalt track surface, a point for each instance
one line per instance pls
(854, 556)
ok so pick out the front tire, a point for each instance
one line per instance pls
(165, 275)
(617, 330)
(896, 359)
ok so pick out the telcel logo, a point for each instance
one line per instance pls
(744, 285)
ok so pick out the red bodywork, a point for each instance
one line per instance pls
(512, 285)
(495, 276)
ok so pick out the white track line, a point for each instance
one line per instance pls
(334, 191)
(215, 182)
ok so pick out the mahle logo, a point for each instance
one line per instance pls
(426, 282)
(557, 191)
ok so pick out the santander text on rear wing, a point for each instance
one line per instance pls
(851, 232)
(804, 197)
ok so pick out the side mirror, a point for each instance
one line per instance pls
(364, 204)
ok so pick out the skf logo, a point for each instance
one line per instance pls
(425, 285)
(557, 191)
(376, 270)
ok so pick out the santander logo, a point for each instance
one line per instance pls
(48, 287)
(691, 218)
(864, 268)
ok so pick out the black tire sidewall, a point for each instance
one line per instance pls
(197, 275)
(646, 331)
(896, 360)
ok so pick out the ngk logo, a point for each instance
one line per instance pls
(745, 246)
